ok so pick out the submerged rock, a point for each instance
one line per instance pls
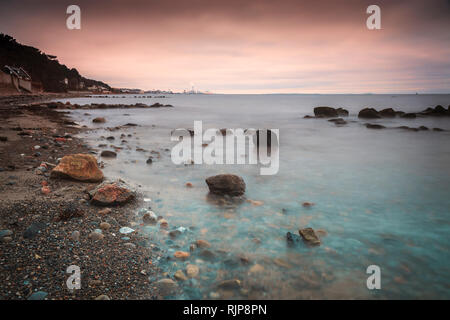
(374, 126)
(408, 116)
(111, 193)
(166, 286)
(226, 184)
(292, 239)
(325, 112)
(192, 270)
(82, 167)
(230, 284)
(309, 236)
(180, 276)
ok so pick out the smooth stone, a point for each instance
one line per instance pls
(230, 284)
(202, 244)
(181, 255)
(102, 297)
(149, 217)
(126, 230)
(108, 154)
(105, 226)
(179, 275)
(192, 270)
(96, 236)
(166, 286)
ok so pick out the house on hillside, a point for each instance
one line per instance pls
(15, 77)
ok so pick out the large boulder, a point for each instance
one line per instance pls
(388, 113)
(342, 112)
(325, 112)
(111, 194)
(81, 167)
(369, 113)
(226, 184)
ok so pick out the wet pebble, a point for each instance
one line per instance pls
(105, 226)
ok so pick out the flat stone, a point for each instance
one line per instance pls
(179, 275)
(181, 255)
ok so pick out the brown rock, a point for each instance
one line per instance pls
(181, 255)
(202, 244)
(82, 167)
(325, 112)
(369, 113)
(309, 236)
(99, 120)
(226, 184)
(108, 194)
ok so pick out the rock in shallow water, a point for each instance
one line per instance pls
(226, 184)
(108, 154)
(369, 113)
(325, 112)
(309, 236)
(192, 270)
(179, 275)
(166, 286)
(230, 284)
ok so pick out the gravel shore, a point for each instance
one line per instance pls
(43, 233)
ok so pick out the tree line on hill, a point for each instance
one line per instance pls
(42, 67)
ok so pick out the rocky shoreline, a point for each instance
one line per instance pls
(337, 116)
(49, 223)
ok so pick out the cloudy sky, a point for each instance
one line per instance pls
(245, 46)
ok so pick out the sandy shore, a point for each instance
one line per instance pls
(37, 241)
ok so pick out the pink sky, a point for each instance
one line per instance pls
(245, 46)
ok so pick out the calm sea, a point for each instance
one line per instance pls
(382, 196)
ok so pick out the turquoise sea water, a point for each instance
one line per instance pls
(380, 195)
